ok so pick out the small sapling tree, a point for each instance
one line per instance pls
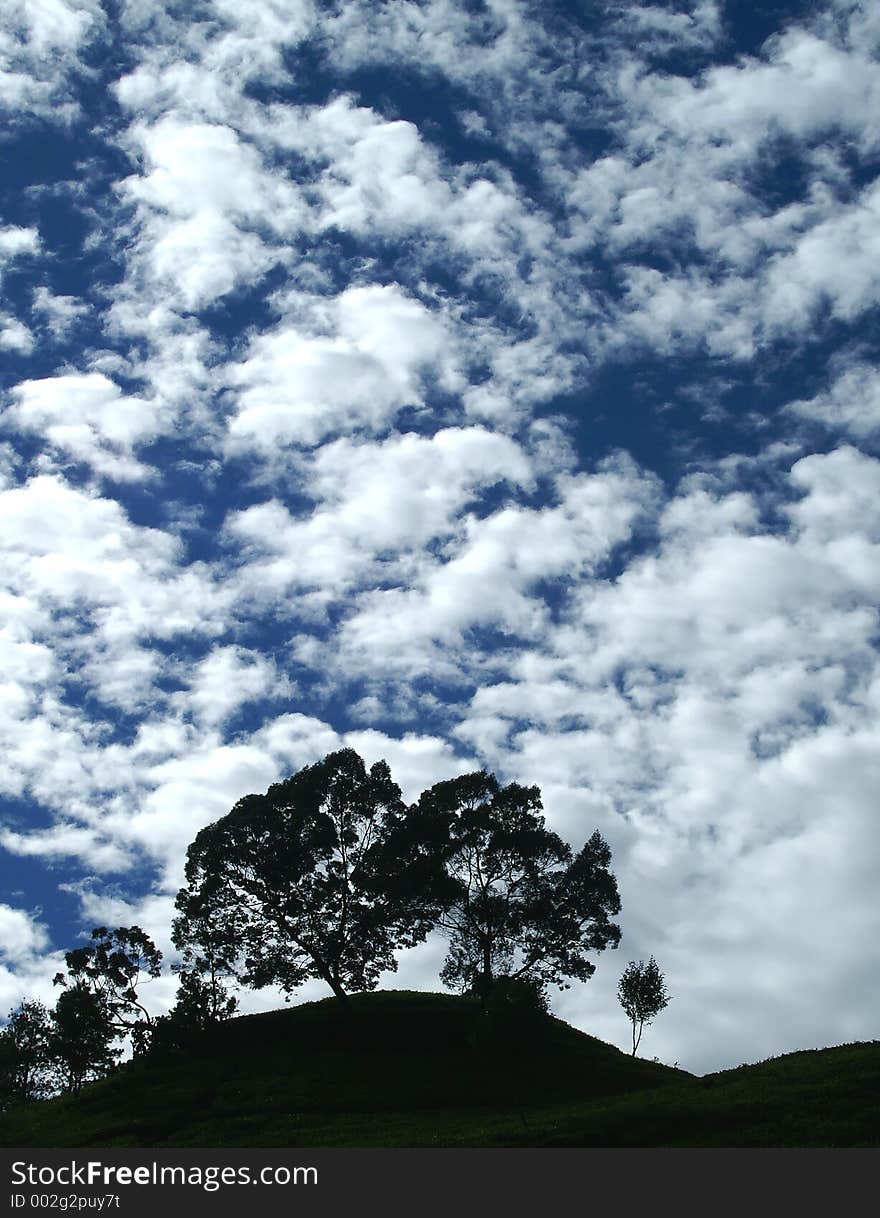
(642, 994)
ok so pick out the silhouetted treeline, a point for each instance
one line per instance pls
(326, 876)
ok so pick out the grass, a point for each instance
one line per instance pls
(413, 1069)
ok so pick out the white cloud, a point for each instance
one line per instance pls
(348, 364)
(70, 545)
(491, 577)
(65, 841)
(686, 175)
(377, 506)
(40, 45)
(86, 416)
(228, 678)
(252, 37)
(834, 260)
(839, 508)
(207, 209)
(416, 762)
(188, 792)
(26, 965)
(15, 335)
(61, 313)
(15, 241)
(88, 593)
(660, 30)
(850, 405)
(197, 168)
(381, 175)
(20, 934)
(805, 87)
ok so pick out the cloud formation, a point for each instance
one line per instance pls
(471, 388)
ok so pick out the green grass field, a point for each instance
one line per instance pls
(413, 1069)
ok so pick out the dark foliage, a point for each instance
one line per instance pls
(513, 1014)
(299, 883)
(392, 1067)
(642, 994)
(81, 1040)
(203, 998)
(207, 959)
(511, 898)
(26, 1071)
(111, 967)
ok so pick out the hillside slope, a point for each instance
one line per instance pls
(414, 1069)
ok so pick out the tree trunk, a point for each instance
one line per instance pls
(340, 993)
(486, 977)
(328, 974)
(637, 1041)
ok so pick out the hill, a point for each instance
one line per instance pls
(415, 1069)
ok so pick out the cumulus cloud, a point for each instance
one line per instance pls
(15, 336)
(834, 261)
(16, 241)
(850, 405)
(24, 958)
(378, 506)
(87, 417)
(228, 678)
(348, 365)
(40, 50)
(20, 934)
(203, 205)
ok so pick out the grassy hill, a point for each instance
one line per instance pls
(414, 1069)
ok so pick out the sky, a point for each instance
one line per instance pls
(479, 384)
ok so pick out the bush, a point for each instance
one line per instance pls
(511, 1008)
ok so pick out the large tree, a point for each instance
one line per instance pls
(516, 904)
(300, 883)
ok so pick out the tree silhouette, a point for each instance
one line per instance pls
(512, 900)
(299, 883)
(111, 967)
(82, 1035)
(642, 994)
(25, 1060)
(208, 954)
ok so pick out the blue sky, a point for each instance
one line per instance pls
(478, 385)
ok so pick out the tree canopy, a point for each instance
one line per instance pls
(513, 900)
(99, 1006)
(111, 968)
(326, 876)
(25, 1057)
(81, 1043)
(207, 958)
(642, 994)
(299, 883)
